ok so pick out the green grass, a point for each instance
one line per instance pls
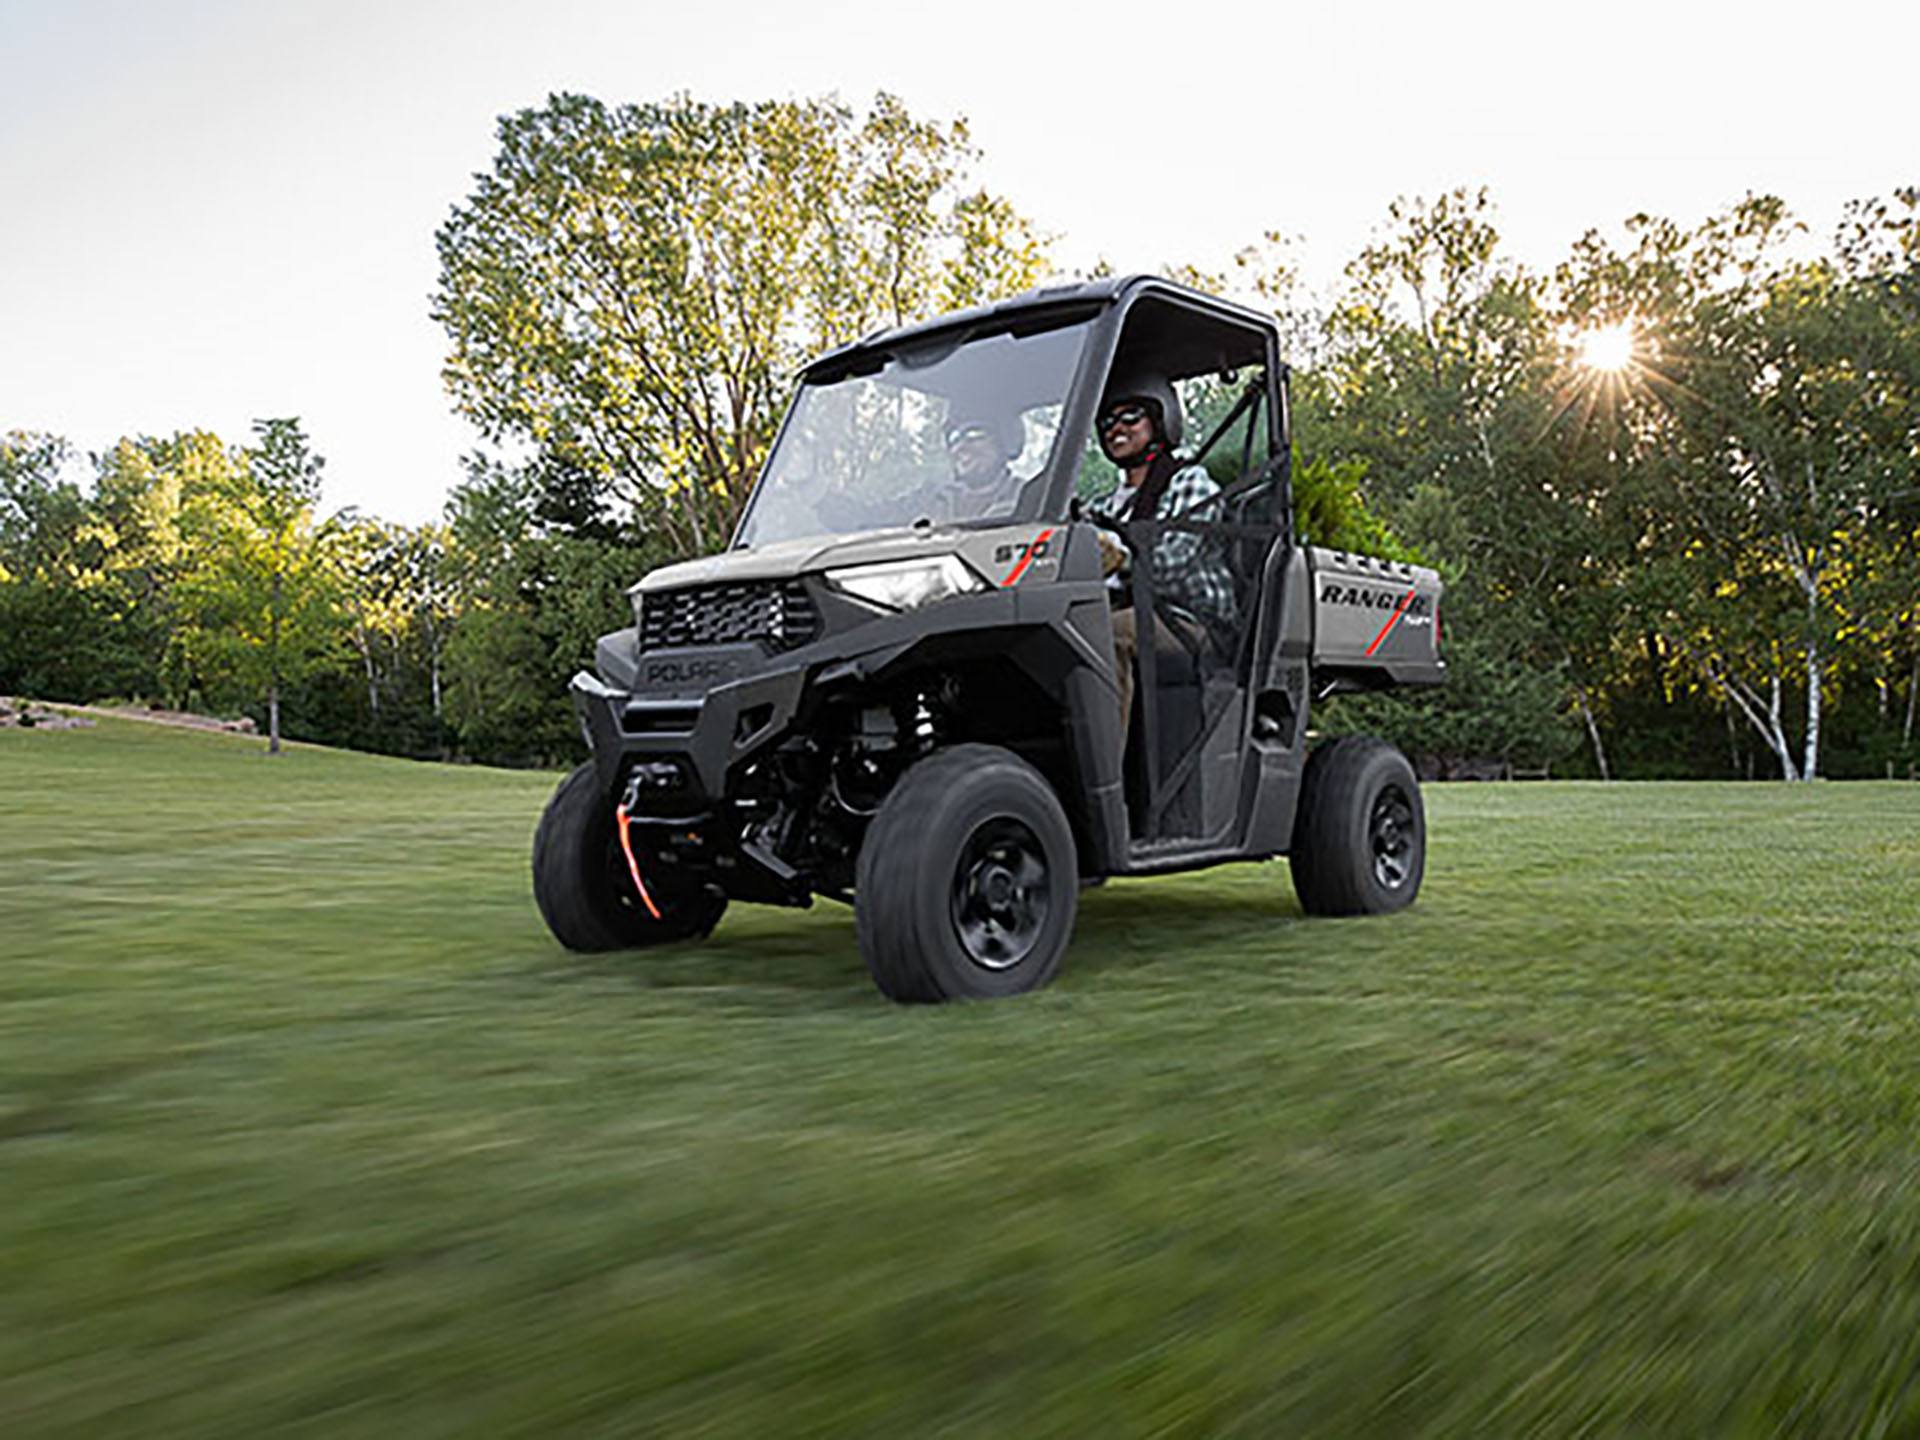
(307, 1128)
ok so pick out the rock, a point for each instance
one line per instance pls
(25, 715)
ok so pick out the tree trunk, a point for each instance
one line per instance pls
(1593, 731)
(1913, 690)
(433, 664)
(373, 688)
(1810, 765)
(273, 661)
(1748, 699)
(1777, 736)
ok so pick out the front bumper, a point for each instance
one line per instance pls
(687, 745)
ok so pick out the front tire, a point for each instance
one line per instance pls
(581, 884)
(1360, 836)
(968, 880)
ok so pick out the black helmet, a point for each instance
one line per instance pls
(1153, 390)
(1009, 435)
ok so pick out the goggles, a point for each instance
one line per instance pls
(959, 435)
(1130, 413)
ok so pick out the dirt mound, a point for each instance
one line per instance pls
(27, 715)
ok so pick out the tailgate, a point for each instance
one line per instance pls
(1375, 622)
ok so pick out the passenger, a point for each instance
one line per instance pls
(1139, 426)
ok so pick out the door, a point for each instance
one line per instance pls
(1198, 522)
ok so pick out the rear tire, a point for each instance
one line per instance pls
(967, 881)
(581, 884)
(1360, 836)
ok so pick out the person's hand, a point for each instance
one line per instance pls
(1113, 555)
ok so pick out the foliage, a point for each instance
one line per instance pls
(39, 511)
(629, 288)
(1764, 440)
(263, 605)
(532, 601)
(1432, 393)
(59, 635)
(1706, 562)
(1727, 520)
(1330, 509)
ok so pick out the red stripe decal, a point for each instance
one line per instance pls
(1014, 574)
(1392, 620)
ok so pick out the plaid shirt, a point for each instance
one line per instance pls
(1187, 567)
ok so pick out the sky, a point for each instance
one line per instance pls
(217, 211)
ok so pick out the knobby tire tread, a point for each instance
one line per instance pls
(569, 882)
(1329, 857)
(892, 926)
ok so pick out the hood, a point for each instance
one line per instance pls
(789, 558)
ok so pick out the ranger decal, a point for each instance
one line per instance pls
(1335, 593)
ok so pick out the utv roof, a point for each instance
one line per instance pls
(1073, 300)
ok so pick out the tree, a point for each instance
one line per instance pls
(1878, 252)
(1435, 379)
(78, 613)
(531, 600)
(627, 290)
(39, 511)
(263, 605)
(57, 636)
(1768, 428)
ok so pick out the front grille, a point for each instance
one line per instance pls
(777, 614)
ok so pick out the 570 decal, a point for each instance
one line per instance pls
(1021, 556)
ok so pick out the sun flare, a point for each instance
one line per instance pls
(1608, 348)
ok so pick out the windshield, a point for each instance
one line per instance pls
(947, 432)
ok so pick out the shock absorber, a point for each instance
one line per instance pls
(925, 735)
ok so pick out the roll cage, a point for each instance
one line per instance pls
(1194, 336)
(1143, 323)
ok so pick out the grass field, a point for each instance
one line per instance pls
(307, 1128)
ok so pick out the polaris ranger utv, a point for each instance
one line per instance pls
(898, 687)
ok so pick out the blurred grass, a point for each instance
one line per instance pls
(306, 1127)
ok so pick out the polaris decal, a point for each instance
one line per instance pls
(686, 672)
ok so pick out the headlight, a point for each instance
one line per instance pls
(907, 584)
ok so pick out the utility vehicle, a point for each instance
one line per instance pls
(897, 687)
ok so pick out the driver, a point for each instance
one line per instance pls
(981, 449)
(1139, 426)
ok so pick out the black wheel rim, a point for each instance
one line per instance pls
(1391, 834)
(1000, 894)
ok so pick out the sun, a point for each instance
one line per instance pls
(1609, 348)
